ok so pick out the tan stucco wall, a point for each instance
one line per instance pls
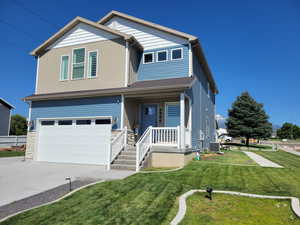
(111, 68)
(30, 145)
(159, 159)
(134, 57)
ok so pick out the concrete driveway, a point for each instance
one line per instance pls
(19, 179)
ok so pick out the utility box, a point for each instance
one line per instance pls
(214, 146)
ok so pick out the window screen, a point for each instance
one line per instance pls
(148, 58)
(64, 67)
(177, 53)
(162, 56)
(92, 69)
(78, 63)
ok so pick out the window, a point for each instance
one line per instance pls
(47, 123)
(148, 57)
(78, 63)
(65, 122)
(92, 64)
(64, 67)
(103, 121)
(83, 122)
(176, 53)
(162, 56)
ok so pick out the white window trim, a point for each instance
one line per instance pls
(167, 55)
(174, 50)
(208, 89)
(88, 63)
(68, 74)
(146, 53)
(84, 63)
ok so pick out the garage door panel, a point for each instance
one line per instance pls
(88, 144)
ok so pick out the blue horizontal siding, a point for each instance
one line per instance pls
(102, 106)
(167, 69)
(203, 109)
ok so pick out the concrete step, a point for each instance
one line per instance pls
(127, 157)
(130, 149)
(128, 153)
(124, 162)
(122, 167)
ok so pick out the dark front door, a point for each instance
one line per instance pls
(148, 116)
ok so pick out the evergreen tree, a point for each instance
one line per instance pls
(18, 125)
(288, 131)
(248, 119)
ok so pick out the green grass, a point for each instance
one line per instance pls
(231, 157)
(283, 158)
(150, 198)
(228, 209)
(11, 153)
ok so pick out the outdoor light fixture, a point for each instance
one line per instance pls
(70, 183)
(209, 190)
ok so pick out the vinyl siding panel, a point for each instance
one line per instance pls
(203, 109)
(82, 33)
(167, 69)
(104, 106)
(149, 38)
(4, 120)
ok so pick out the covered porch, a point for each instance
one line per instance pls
(166, 117)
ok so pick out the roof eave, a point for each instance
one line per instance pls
(70, 26)
(113, 13)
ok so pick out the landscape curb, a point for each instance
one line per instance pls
(51, 202)
(182, 202)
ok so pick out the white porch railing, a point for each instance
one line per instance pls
(117, 145)
(164, 136)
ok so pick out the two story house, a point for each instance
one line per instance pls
(120, 92)
(5, 114)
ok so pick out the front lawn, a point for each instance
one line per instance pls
(231, 157)
(11, 153)
(229, 209)
(150, 198)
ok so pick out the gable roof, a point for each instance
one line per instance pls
(192, 39)
(8, 105)
(146, 23)
(40, 49)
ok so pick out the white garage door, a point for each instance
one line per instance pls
(84, 141)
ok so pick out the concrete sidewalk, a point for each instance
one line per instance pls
(19, 179)
(261, 160)
(289, 150)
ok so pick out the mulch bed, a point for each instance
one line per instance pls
(14, 148)
(209, 156)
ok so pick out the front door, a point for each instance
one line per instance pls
(148, 116)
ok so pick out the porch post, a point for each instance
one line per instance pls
(182, 116)
(122, 112)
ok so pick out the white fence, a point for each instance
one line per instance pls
(8, 141)
(117, 145)
(164, 136)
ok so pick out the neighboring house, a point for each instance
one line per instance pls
(5, 113)
(98, 83)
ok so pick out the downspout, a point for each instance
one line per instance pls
(37, 74)
(190, 60)
(126, 64)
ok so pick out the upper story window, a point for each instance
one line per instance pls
(92, 64)
(78, 63)
(176, 54)
(148, 57)
(64, 68)
(162, 56)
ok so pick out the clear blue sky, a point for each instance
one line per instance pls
(250, 45)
